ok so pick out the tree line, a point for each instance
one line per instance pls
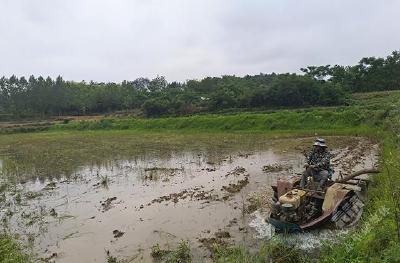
(318, 86)
(370, 74)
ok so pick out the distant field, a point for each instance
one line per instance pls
(365, 109)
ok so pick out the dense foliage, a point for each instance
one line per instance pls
(319, 86)
(156, 97)
(370, 74)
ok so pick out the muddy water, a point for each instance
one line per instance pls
(187, 194)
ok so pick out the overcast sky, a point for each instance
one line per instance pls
(184, 39)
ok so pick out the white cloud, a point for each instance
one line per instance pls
(181, 39)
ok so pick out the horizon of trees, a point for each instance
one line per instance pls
(370, 74)
(319, 86)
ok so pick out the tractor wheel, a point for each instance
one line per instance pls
(348, 212)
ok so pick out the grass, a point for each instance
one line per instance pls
(366, 110)
(179, 255)
(11, 251)
(268, 252)
(158, 253)
(322, 119)
(378, 238)
(3, 187)
(104, 181)
(112, 259)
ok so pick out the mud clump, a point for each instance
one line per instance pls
(222, 234)
(210, 242)
(53, 212)
(232, 222)
(245, 155)
(155, 173)
(259, 200)
(32, 195)
(273, 168)
(50, 186)
(355, 154)
(162, 169)
(235, 188)
(107, 204)
(174, 197)
(117, 233)
(193, 194)
(219, 240)
(239, 170)
(49, 258)
(251, 208)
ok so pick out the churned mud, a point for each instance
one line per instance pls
(127, 204)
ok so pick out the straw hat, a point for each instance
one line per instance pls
(320, 142)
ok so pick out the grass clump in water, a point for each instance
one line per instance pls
(32, 195)
(112, 259)
(3, 187)
(104, 181)
(18, 198)
(158, 253)
(10, 250)
(180, 255)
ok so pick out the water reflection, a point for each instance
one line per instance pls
(20, 163)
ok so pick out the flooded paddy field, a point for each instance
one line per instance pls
(78, 197)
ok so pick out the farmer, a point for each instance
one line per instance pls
(318, 164)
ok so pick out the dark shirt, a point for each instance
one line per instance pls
(320, 159)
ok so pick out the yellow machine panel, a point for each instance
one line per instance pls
(334, 195)
(293, 197)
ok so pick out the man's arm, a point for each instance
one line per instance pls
(325, 161)
(308, 158)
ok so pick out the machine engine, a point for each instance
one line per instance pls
(295, 205)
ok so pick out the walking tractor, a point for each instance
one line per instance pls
(301, 203)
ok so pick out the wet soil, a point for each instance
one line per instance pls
(127, 205)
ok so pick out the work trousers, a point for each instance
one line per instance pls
(320, 176)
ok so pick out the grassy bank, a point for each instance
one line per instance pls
(365, 111)
(282, 120)
(377, 239)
